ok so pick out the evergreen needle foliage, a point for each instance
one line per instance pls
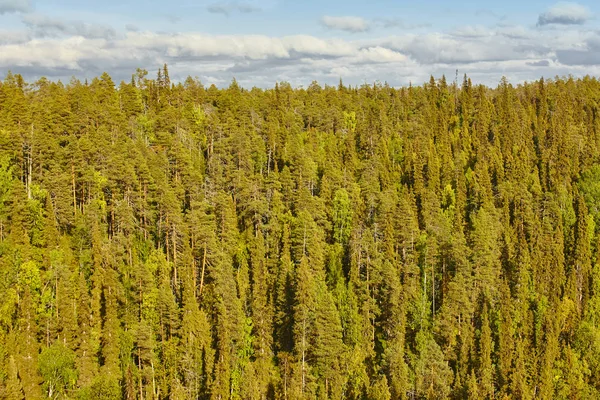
(162, 240)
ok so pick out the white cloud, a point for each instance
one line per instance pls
(348, 23)
(310, 45)
(565, 14)
(48, 53)
(13, 6)
(378, 55)
(470, 31)
(438, 48)
(585, 55)
(486, 54)
(13, 37)
(254, 47)
(540, 63)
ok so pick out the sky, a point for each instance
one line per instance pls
(260, 42)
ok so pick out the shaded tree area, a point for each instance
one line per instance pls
(170, 240)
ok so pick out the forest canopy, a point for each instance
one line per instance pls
(170, 240)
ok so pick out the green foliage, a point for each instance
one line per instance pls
(29, 277)
(433, 376)
(6, 181)
(589, 185)
(103, 387)
(13, 389)
(167, 240)
(57, 368)
(350, 121)
(342, 216)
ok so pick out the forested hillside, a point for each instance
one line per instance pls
(162, 240)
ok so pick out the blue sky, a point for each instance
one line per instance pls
(260, 42)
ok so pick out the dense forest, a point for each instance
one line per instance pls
(170, 240)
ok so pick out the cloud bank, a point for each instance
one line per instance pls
(59, 49)
(261, 60)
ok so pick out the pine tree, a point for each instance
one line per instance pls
(13, 389)
(170, 240)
